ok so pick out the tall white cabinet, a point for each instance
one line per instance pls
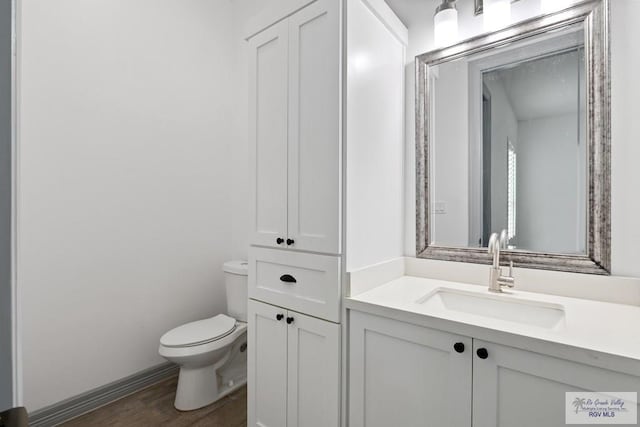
(294, 131)
(295, 264)
(313, 64)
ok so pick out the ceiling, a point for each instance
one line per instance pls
(542, 87)
(412, 12)
(417, 12)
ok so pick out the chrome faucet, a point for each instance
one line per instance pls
(496, 280)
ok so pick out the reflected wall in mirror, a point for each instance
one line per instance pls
(513, 140)
(542, 101)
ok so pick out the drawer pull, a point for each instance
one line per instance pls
(287, 278)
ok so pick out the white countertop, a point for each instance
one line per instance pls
(612, 329)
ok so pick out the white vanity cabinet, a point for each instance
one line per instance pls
(513, 387)
(294, 369)
(409, 375)
(294, 131)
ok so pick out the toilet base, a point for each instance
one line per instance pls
(199, 387)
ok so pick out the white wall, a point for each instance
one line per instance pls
(625, 63)
(6, 395)
(450, 165)
(547, 184)
(504, 128)
(125, 218)
(243, 11)
(375, 139)
(239, 175)
(625, 134)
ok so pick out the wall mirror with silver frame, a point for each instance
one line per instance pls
(513, 134)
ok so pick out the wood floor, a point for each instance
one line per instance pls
(153, 406)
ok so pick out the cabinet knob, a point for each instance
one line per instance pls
(459, 347)
(482, 353)
(279, 316)
(279, 240)
(290, 242)
(289, 320)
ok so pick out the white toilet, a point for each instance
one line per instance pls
(212, 352)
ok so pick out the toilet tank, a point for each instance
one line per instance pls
(235, 280)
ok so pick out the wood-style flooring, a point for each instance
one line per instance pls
(153, 406)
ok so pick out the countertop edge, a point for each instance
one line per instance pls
(602, 359)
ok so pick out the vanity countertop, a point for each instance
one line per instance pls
(593, 328)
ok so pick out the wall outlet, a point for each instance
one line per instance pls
(440, 208)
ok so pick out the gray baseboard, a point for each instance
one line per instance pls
(87, 402)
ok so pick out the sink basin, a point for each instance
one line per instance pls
(527, 312)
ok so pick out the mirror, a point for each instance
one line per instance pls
(526, 116)
(511, 139)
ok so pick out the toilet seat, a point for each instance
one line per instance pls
(199, 332)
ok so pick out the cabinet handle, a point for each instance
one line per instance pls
(459, 347)
(279, 316)
(289, 320)
(279, 240)
(482, 353)
(290, 242)
(287, 278)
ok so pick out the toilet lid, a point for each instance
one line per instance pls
(199, 332)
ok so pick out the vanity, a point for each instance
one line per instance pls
(456, 354)
(512, 169)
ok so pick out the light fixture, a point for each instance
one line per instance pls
(497, 14)
(549, 6)
(445, 23)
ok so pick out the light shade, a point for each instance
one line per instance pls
(445, 24)
(549, 6)
(497, 14)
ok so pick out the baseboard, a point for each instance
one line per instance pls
(75, 406)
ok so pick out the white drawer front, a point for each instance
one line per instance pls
(298, 281)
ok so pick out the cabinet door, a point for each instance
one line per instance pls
(268, 134)
(513, 387)
(405, 375)
(314, 128)
(314, 372)
(267, 366)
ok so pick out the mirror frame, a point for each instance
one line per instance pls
(594, 14)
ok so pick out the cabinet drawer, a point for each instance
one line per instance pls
(303, 282)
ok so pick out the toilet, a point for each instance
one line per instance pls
(212, 353)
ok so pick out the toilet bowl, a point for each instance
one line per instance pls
(211, 352)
